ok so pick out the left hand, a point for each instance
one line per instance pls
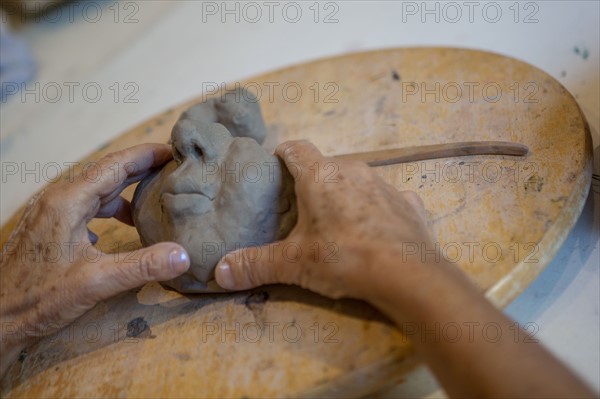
(51, 272)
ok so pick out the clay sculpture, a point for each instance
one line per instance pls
(221, 192)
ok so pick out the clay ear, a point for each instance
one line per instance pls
(241, 117)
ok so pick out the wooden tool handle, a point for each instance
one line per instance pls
(411, 154)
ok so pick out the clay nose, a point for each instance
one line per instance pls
(197, 157)
(190, 139)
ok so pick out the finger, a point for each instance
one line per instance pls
(299, 157)
(413, 199)
(103, 181)
(116, 273)
(119, 208)
(415, 202)
(126, 166)
(250, 267)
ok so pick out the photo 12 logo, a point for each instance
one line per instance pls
(89, 92)
(473, 92)
(270, 11)
(125, 12)
(272, 91)
(452, 12)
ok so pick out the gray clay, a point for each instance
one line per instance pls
(237, 110)
(219, 193)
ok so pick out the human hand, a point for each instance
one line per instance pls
(50, 271)
(349, 236)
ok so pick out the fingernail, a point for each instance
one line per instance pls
(225, 276)
(179, 261)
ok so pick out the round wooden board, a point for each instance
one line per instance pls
(501, 219)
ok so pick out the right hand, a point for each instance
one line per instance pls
(350, 235)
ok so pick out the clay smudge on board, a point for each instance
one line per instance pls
(138, 327)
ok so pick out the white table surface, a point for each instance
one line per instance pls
(160, 53)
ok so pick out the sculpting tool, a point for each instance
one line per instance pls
(419, 153)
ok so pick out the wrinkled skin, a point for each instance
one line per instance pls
(367, 221)
(347, 218)
(51, 273)
(358, 224)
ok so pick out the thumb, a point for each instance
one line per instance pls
(253, 266)
(124, 271)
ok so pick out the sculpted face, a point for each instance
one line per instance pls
(218, 194)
